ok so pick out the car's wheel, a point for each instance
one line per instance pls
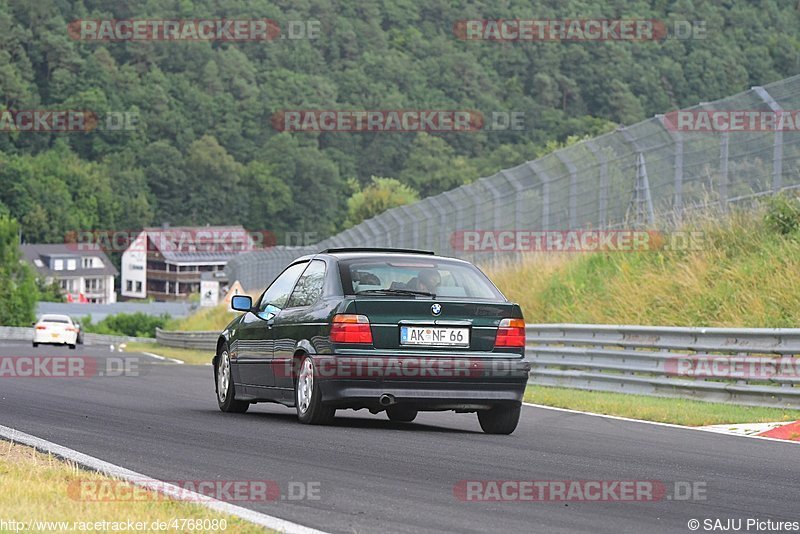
(401, 414)
(308, 397)
(35, 344)
(225, 390)
(501, 419)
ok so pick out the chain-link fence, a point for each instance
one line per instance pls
(648, 175)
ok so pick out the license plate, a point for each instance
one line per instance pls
(434, 336)
(55, 334)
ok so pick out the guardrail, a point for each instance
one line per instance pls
(24, 333)
(663, 361)
(200, 340)
(647, 360)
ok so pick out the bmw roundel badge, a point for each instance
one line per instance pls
(436, 309)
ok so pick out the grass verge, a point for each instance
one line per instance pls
(740, 272)
(189, 356)
(659, 409)
(36, 487)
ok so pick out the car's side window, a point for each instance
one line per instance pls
(309, 287)
(278, 293)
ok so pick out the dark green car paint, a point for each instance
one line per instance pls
(262, 349)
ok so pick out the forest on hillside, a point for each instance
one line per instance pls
(204, 151)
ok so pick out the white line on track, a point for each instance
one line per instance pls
(163, 358)
(169, 490)
(668, 425)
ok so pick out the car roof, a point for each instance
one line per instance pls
(347, 254)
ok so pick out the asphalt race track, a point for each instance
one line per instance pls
(378, 476)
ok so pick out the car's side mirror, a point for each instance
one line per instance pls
(242, 303)
(33, 323)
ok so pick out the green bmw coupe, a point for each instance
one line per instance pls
(389, 330)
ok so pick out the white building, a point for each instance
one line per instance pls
(84, 273)
(168, 263)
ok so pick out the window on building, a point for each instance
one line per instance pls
(138, 287)
(37, 262)
(87, 263)
(58, 265)
(129, 285)
(72, 264)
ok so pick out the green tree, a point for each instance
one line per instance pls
(380, 195)
(17, 282)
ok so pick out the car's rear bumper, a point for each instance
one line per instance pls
(428, 384)
(47, 338)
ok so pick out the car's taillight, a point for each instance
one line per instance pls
(71, 329)
(350, 328)
(41, 327)
(511, 333)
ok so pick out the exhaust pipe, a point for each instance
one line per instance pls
(387, 400)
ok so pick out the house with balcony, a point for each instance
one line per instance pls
(168, 263)
(83, 272)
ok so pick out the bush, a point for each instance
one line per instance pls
(127, 324)
(783, 214)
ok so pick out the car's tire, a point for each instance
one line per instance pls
(401, 414)
(72, 346)
(226, 396)
(35, 344)
(501, 419)
(308, 396)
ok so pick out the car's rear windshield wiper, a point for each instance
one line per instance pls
(394, 292)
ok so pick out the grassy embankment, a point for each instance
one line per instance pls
(40, 487)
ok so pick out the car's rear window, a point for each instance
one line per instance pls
(442, 278)
(55, 319)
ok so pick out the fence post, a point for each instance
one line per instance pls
(519, 199)
(677, 140)
(545, 180)
(723, 171)
(603, 197)
(442, 221)
(642, 201)
(573, 188)
(777, 149)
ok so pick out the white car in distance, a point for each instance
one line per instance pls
(53, 329)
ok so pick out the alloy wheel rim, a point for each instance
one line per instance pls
(223, 376)
(305, 385)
